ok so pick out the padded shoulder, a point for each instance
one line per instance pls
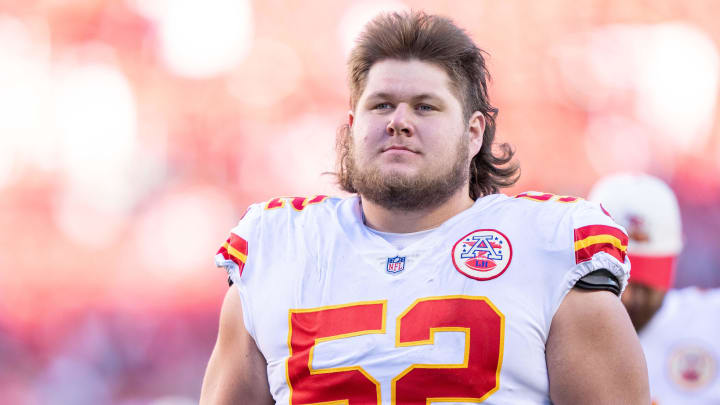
(233, 254)
(273, 217)
(298, 204)
(595, 239)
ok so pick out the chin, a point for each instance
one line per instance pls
(399, 171)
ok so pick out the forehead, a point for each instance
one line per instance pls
(408, 78)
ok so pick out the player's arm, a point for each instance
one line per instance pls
(593, 353)
(236, 372)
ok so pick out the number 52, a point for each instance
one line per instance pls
(472, 381)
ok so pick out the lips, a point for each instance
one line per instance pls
(399, 148)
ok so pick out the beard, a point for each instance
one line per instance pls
(394, 190)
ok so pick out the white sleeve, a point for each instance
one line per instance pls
(235, 256)
(598, 243)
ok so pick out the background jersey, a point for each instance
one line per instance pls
(682, 348)
(461, 315)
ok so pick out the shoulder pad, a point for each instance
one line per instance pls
(297, 203)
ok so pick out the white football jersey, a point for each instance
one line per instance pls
(459, 316)
(682, 348)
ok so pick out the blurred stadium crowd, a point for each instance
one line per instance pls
(133, 135)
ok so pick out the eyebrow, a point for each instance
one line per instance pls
(390, 96)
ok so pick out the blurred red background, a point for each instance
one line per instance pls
(133, 135)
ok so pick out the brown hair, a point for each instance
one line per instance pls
(435, 39)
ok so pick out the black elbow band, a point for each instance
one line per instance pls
(600, 280)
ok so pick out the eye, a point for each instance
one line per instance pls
(425, 107)
(382, 106)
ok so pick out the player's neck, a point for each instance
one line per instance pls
(404, 221)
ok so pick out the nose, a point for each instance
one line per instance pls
(400, 121)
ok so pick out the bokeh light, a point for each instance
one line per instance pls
(358, 14)
(174, 235)
(677, 84)
(134, 134)
(653, 86)
(203, 38)
(95, 114)
(25, 136)
(272, 72)
(617, 144)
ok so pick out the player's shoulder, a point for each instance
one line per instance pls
(281, 209)
(581, 228)
(548, 206)
(279, 214)
(268, 221)
(560, 218)
(545, 201)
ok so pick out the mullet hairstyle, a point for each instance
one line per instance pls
(430, 38)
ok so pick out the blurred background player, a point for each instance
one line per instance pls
(678, 329)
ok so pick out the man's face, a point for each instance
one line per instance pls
(410, 146)
(642, 302)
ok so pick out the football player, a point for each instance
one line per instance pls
(428, 285)
(678, 329)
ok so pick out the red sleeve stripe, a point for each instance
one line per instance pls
(592, 239)
(586, 254)
(238, 244)
(592, 230)
(235, 249)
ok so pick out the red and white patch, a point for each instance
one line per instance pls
(692, 367)
(482, 254)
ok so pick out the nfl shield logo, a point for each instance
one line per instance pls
(395, 264)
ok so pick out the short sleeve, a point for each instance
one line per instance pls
(233, 254)
(598, 243)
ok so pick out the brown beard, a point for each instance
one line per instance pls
(396, 191)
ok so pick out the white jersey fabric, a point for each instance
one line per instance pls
(682, 348)
(460, 316)
(401, 240)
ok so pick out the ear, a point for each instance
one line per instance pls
(351, 118)
(476, 129)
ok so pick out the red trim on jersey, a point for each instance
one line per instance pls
(592, 239)
(238, 243)
(298, 203)
(536, 197)
(237, 252)
(317, 199)
(583, 255)
(656, 272)
(605, 211)
(593, 230)
(222, 251)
